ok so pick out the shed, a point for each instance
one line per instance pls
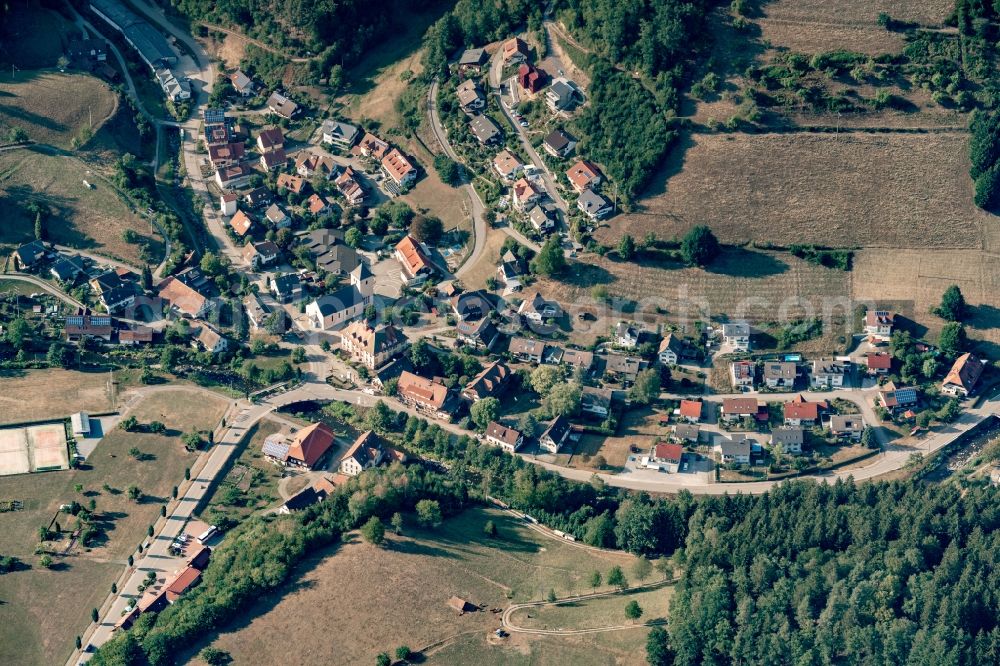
(461, 605)
(81, 424)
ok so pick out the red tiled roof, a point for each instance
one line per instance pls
(878, 361)
(310, 443)
(691, 409)
(668, 452)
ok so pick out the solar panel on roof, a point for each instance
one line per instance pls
(214, 116)
(276, 449)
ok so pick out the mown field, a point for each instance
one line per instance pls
(55, 108)
(44, 610)
(87, 219)
(406, 588)
(595, 613)
(870, 190)
(752, 284)
(51, 394)
(617, 648)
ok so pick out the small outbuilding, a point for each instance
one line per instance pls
(461, 605)
(81, 424)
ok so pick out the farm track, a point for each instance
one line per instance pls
(510, 610)
(256, 42)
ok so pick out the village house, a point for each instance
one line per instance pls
(80, 326)
(626, 335)
(780, 374)
(878, 325)
(685, 432)
(317, 205)
(579, 358)
(736, 336)
(273, 160)
(281, 105)
(526, 349)
(733, 451)
(896, 399)
(414, 261)
(67, 268)
(87, 51)
(596, 401)
(506, 438)
(372, 346)
(788, 440)
(308, 164)
(507, 165)
(624, 369)
(242, 84)
(277, 217)
(530, 78)
(849, 427)
(292, 183)
(286, 288)
(665, 457)
(340, 133)
(583, 176)
(509, 273)
(489, 383)
(536, 309)
(119, 298)
(258, 197)
(29, 254)
(426, 395)
(257, 312)
(541, 218)
(478, 334)
(398, 168)
(241, 224)
(690, 411)
(135, 335)
(562, 95)
(555, 435)
(802, 412)
(671, 349)
(524, 193)
(228, 203)
(372, 146)
(328, 251)
(470, 97)
(735, 409)
(878, 363)
(559, 143)
(183, 298)
(305, 448)
(271, 138)
(515, 51)
(347, 303)
(226, 154)
(472, 305)
(207, 338)
(472, 60)
(233, 177)
(349, 185)
(829, 374)
(594, 205)
(367, 451)
(961, 380)
(484, 129)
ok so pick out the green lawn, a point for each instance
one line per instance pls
(251, 471)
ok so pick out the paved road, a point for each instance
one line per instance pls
(31, 279)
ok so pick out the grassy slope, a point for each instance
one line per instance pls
(44, 610)
(405, 590)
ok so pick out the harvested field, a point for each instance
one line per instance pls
(856, 189)
(851, 12)
(913, 281)
(595, 613)
(621, 648)
(55, 394)
(55, 108)
(742, 284)
(409, 582)
(44, 609)
(88, 219)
